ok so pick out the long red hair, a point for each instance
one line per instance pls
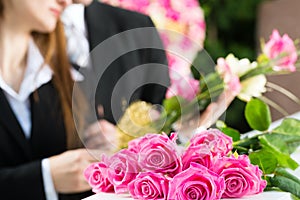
(53, 48)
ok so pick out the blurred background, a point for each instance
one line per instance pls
(237, 27)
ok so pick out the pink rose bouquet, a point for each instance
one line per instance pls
(151, 168)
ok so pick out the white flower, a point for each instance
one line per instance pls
(252, 87)
(239, 67)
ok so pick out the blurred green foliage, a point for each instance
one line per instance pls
(231, 28)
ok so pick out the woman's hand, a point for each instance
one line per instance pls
(210, 116)
(67, 170)
(216, 109)
(102, 137)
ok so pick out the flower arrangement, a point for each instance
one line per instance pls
(211, 150)
(211, 164)
(155, 167)
(186, 99)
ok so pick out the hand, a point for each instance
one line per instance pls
(211, 114)
(67, 170)
(216, 109)
(101, 136)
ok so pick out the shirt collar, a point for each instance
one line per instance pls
(36, 74)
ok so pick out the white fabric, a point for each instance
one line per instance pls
(48, 182)
(35, 76)
(76, 33)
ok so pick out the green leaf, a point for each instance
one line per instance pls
(289, 127)
(284, 160)
(174, 103)
(292, 142)
(234, 134)
(293, 197)
(286, 182)
(283, 172)
(265, 160)
(277, 142)
(258, 115)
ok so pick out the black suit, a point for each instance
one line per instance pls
(20, 159)
(142, 71)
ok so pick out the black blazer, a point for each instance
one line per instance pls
(129, 69)
(20, 159)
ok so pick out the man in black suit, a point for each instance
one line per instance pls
(128, 62)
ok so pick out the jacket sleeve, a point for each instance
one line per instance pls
(22, 182)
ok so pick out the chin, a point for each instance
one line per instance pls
(46, 28)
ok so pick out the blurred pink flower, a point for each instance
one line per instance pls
(187, 88)
(217, 142)
(97, 177)
(241, 177)
(282, 51)
(122, 168)
(149, 185)
(197, 182)
(186, 18)
(231, 80)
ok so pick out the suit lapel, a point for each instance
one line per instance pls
(95, 18)
(11, 124)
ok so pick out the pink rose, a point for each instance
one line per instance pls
(186, 87)
(136, 144)
(122, 169)
(218, 143)
(97, 177)
(282, 51)
(159, 154)
(197, 182)
(197, 154)
(241, 177)
(149, 185)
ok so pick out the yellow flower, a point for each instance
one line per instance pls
(135, 122)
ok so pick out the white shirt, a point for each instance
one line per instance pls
(35, 76)
(76, 33)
